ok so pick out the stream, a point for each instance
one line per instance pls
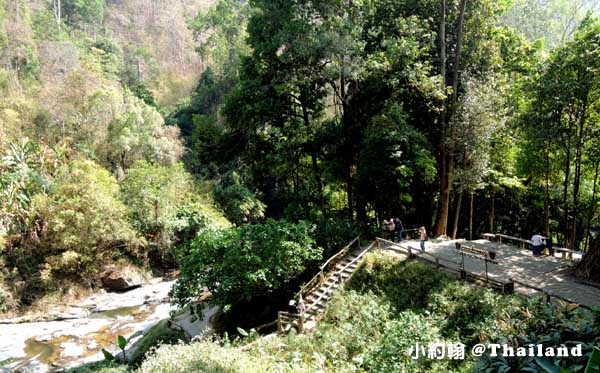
(89, 327)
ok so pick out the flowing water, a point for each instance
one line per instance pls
(49, 346)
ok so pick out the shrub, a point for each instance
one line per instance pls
(244, 262)
(82, 221)
(539, 323)
(405, 284)
(402, 333)
(239, 203)
(164, 206)
(466, 313)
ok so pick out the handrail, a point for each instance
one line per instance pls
(357, 258)
(339, 272)
(548, 293)
(345, 249)
(319, 277)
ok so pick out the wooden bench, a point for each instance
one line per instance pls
(565, 253)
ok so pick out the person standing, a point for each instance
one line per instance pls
(422, 237)
(391, 229)
(536, 242)
(399, 229)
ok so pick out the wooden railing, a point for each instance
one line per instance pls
(319, 278)
(339, 273)
(315, 282)
(450, 265)
(289, 318)
(522, 243)
(548, 295)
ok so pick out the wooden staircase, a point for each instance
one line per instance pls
(317, 300)
(334, 274)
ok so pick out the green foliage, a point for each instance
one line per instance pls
(107, 355)
(110, 56)
(122, 343)
(81, 222)
(164, 206)
(394, 157)
(45, 27)
(240, 263)
(593, 365)
(406, 285)
(139, 133)
(238, 202)
(333, 233)
(225, 25)
(467, 312)
(401, 334)
(143, 93)
(536, 322)
(25, 169)
(83, 12)
(26, 62)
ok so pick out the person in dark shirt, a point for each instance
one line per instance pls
(399, 229)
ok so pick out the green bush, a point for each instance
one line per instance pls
(537, 322)
(402, 334)
(347, 313)
(405, 284)
(165, 207)
(466, 313)
(239, 203)
(244, 262)
(81, 222)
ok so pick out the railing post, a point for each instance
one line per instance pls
(301, 323)
(321, 278)
(510, 286)
(279, 328)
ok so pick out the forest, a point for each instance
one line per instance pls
(239, 144)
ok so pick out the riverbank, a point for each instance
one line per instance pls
(77, 333)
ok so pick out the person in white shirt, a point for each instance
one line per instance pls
(536, 241)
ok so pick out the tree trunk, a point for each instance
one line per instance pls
(446, 158)
(443, 201)
(547, 200)
(57, 12)
(457, 214)
(565, 198)
(589, 266)
(577, 177)
(592, 207)
(471, 217)
(347, 144)
(492, 215)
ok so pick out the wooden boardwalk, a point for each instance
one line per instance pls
(532, 275)
(516, 269)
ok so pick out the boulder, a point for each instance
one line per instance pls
(122, 279)
(163, 332)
